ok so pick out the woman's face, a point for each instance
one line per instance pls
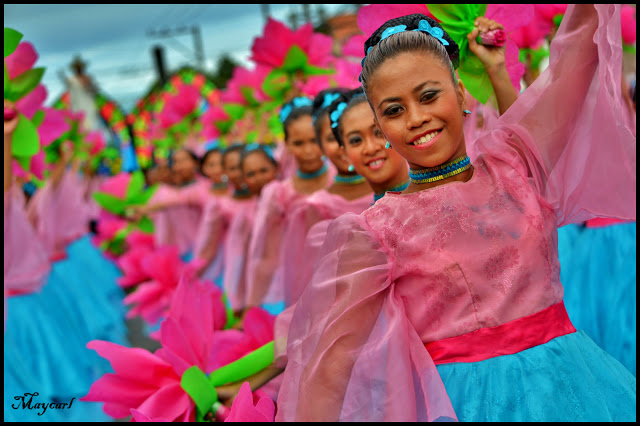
(365, 147)
(419, 109)
(301, 142)
(184, 166)
(332, 149)
(232, 169)
(212, 167)
(258, 171)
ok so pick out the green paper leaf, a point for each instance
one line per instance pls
(295, 60)
(247, 94)
(38, 117)
(244, 367)
(110, 203)
(196, 384)
(146, 225)
(136, 185)
(25, 141)
(475, 79)
(235, 111)
(23, 84)
(25, 162)
(276, 84)
(11, 40)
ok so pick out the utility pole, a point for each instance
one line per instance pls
(158, 56)
(265, 11)
(198, 49)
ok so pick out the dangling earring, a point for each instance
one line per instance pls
(466, 111)
(387, 145)
(350, 168)
(224, 178)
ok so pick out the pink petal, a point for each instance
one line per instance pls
(32, 102)
(511, 16)
(169, 402)
(117, 185)
(53, 126)
(258, 324)
(319, 50)
(140, 417)
(243, 410)
(355, 46)
(22, 59)
(372, 16)
(628, 22)
(38, 165)
(515, 68)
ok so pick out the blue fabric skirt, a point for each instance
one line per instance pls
(598, 273)
(566, 379)
(46, 335)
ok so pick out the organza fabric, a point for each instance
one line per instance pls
(236, 249)
(59, 214)
(273, 213)
(26, 262)
(449, 260)
(177, 224)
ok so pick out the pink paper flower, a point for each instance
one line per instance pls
(22, 59)
(628, 22)
(32, 102)
(96, 142)
(138, 238)
(137, 416)
(242, 77)
(116, 185)
(272, 47)
(152, 298)
(130, 263)
(493, 38)
(53, 126)
(179, 106)
(142, 381)
(245, 409)
(372, 16)
(354, 47)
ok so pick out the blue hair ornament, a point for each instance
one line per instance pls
(335, 115)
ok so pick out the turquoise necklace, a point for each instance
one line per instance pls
(443, 171)
(349, 180)
(313, 175)
(219, 185)
(242, 192)
(397, 188)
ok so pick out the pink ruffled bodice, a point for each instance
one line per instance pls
(452, 259)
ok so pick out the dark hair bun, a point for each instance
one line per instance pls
(412, 22)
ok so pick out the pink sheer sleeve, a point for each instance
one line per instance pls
(211, 230)
(566, 132)
(352, 352)
(59, 214)
(266, 238)
(26, 262)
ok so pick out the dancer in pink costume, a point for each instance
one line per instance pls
(276, 200)
(259, 168)
(444, 301)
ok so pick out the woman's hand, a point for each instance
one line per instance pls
(490, 56)
(228, 393)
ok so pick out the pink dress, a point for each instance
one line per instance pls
(178, 224)
(59, 215)
(26, 261)
(212, 233)
(273, 214)
(465, 259)
(302, 242)
(236, 248)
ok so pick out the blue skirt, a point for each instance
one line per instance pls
(566, 379)
(46, 335)
(598, 272)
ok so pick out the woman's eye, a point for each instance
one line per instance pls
(355, 140)
(427, 96)
(392, 110)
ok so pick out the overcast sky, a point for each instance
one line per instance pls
(114, 39)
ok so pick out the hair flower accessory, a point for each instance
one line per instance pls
(328, 99)
(335, 115)
(254, 146)
(301, 102)
(436, 32)
(392, 30)
(284, 112)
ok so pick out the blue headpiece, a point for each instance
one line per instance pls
(257, 146)
(335, 115)
(295, 103)
(423, 26)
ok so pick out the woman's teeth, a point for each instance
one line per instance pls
(426, 138)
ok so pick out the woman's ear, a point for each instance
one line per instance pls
(461, 91)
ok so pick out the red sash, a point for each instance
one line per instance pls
(506, 339)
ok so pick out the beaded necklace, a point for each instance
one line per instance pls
(443, 171)
(349, 180)
(313, 175)
(397, 188)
